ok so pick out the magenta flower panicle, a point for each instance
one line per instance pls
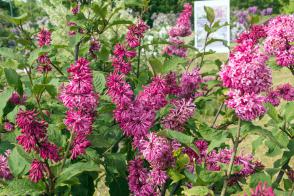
(17, 99)
(279, 32)
(37, 171)
(44, 38)
(181, 29)
(34, 135)
(8, 126)
(81, 100)
(5, 172)
(262, 190)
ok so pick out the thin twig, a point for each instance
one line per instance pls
(175, 188)
(236, 143)
(163, 190)
(204, 48)
(281, 174)
(138, 62)
(57, 68)
(217, 115)
(67, 150)
(108, 149)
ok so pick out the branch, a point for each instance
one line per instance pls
(217, 114)
(175, 188)
(163, 190)
(57, 68)
(77, 48)
(67, 150)
(236, 143)
(281, 174)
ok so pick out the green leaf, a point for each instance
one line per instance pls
(36, 53)
(288, 111)
(273, 149)
(209, 176)
(191, 177)
(156, 65)
(212, 40)
(4, 99)
(11, 111)
(15, 20)
(117, 186)
(181, 137)
(39, 88)
(198, 191)
(8, 53)
(182, 161)
(13, 79)
(99, 81)
(100, 10)
(5, 145)
(173, 64)
(23, 187)
(248, 127)
(209, 14)
(18, 161)
(51, 89)
(175, 175)
(259, 177)
(74, 170)
(120, 22)
(256, 143)
(271, 111)
(116, 163)
(221, 138)
(137, 3)
(255, 19)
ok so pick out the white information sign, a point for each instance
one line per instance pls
(222, 13)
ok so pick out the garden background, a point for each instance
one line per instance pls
(94, 145)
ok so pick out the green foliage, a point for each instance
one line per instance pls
(19, 162)
(66, 176)
(23, 187)
(106, 161)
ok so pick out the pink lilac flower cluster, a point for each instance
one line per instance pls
(136, 116)
(5, 172)
(183, 106)
(247, 106)
(213, 160)
(81, 100)
(182, 111)
(44, 39)
(94, 47)
(17, 99)
(266, 11)
(280, 35)
(262, 190)
(8, 126)
(76, 9)
(190, 82)
(181, 29)
(284, 91)
(158, 152)
(243, 16)
(247, 76)
(124, 53)
(34, 137)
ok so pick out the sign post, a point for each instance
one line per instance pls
(222, 13)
